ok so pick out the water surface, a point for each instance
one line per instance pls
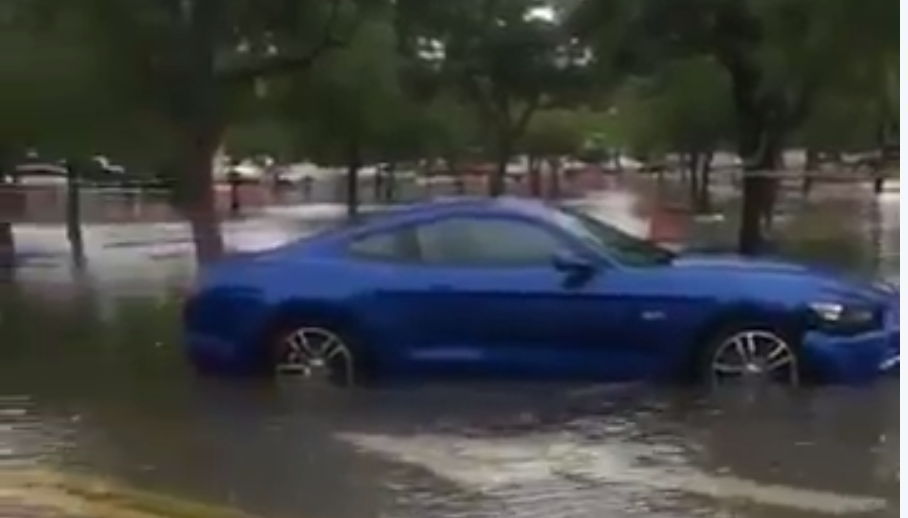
(99, 388)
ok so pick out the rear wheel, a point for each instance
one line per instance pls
(752, 356)
(315, 355)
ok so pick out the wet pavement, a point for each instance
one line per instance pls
(101, 395)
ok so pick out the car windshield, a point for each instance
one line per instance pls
(623, 247)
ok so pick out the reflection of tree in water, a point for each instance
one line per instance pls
(827, 232)
(886, 232)
(849, 234)
(888, 464)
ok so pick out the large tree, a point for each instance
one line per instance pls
(350, 110)
(52, 100)
(193, 63)
(506, 59)
(684, 108)
(780, 57)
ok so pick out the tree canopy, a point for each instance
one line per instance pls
(345, 82)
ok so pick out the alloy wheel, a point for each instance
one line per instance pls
(314, 354)
(755, 357)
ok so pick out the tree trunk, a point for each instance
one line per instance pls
(379, 188)
(536, 187)
(706, 196)
(811, 169)
(351, 181)
(7, 252)
(390, 191)
(759, 195)
(690, 176)
(555, 187)
(199, 200)
(74, 220)
(760, 144)
(498, 183)
(199, 112)
(7, 237)
(236, 203)
(701, 185)
(453, 165)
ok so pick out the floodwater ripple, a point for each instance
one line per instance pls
(533, 452)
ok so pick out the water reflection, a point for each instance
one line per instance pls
(504, 451)
(103, 390)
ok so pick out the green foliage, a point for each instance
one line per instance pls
(352, 104)
(789, 63)
(411, 79)
(53, 91)
(569, 132)
(153, 71)
(684, 106)
(495, 56)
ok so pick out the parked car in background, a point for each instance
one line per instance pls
(514, 289)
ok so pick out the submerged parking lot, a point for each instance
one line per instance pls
(95, 394)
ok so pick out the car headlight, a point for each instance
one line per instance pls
(888, 286)
(844, 318)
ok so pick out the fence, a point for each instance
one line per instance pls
(148, 245)
(48, 203)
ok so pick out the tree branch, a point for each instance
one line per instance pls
(523, 119)
(284, 62)
(476, 90)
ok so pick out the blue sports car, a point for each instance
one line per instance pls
(511, 289)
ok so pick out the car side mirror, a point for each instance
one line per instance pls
(572, 263)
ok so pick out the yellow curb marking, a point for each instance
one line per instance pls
(94, 496)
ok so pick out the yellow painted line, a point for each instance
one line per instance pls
(59, 502)
(101, 498)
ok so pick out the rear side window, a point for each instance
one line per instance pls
(396, 246)
(461, 242)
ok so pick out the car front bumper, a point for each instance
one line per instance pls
(857, 359)
(890, 367)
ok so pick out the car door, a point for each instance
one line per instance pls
(493, 300)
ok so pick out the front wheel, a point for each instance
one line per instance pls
(752, 356)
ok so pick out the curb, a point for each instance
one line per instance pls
(84, 495)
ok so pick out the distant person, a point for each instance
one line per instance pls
(879, 184)
(308, 186)
(807, 186)
(234, 179)
(378, 185)
(275, 176)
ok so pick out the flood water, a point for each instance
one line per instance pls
(100, 389)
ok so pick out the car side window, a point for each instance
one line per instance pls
(391, 246)
(472, 242)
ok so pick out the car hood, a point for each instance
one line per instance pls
(775, 272)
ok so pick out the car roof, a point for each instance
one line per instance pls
(467, 204)
(461, 205)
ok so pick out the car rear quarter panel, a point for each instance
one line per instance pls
(242, 303)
